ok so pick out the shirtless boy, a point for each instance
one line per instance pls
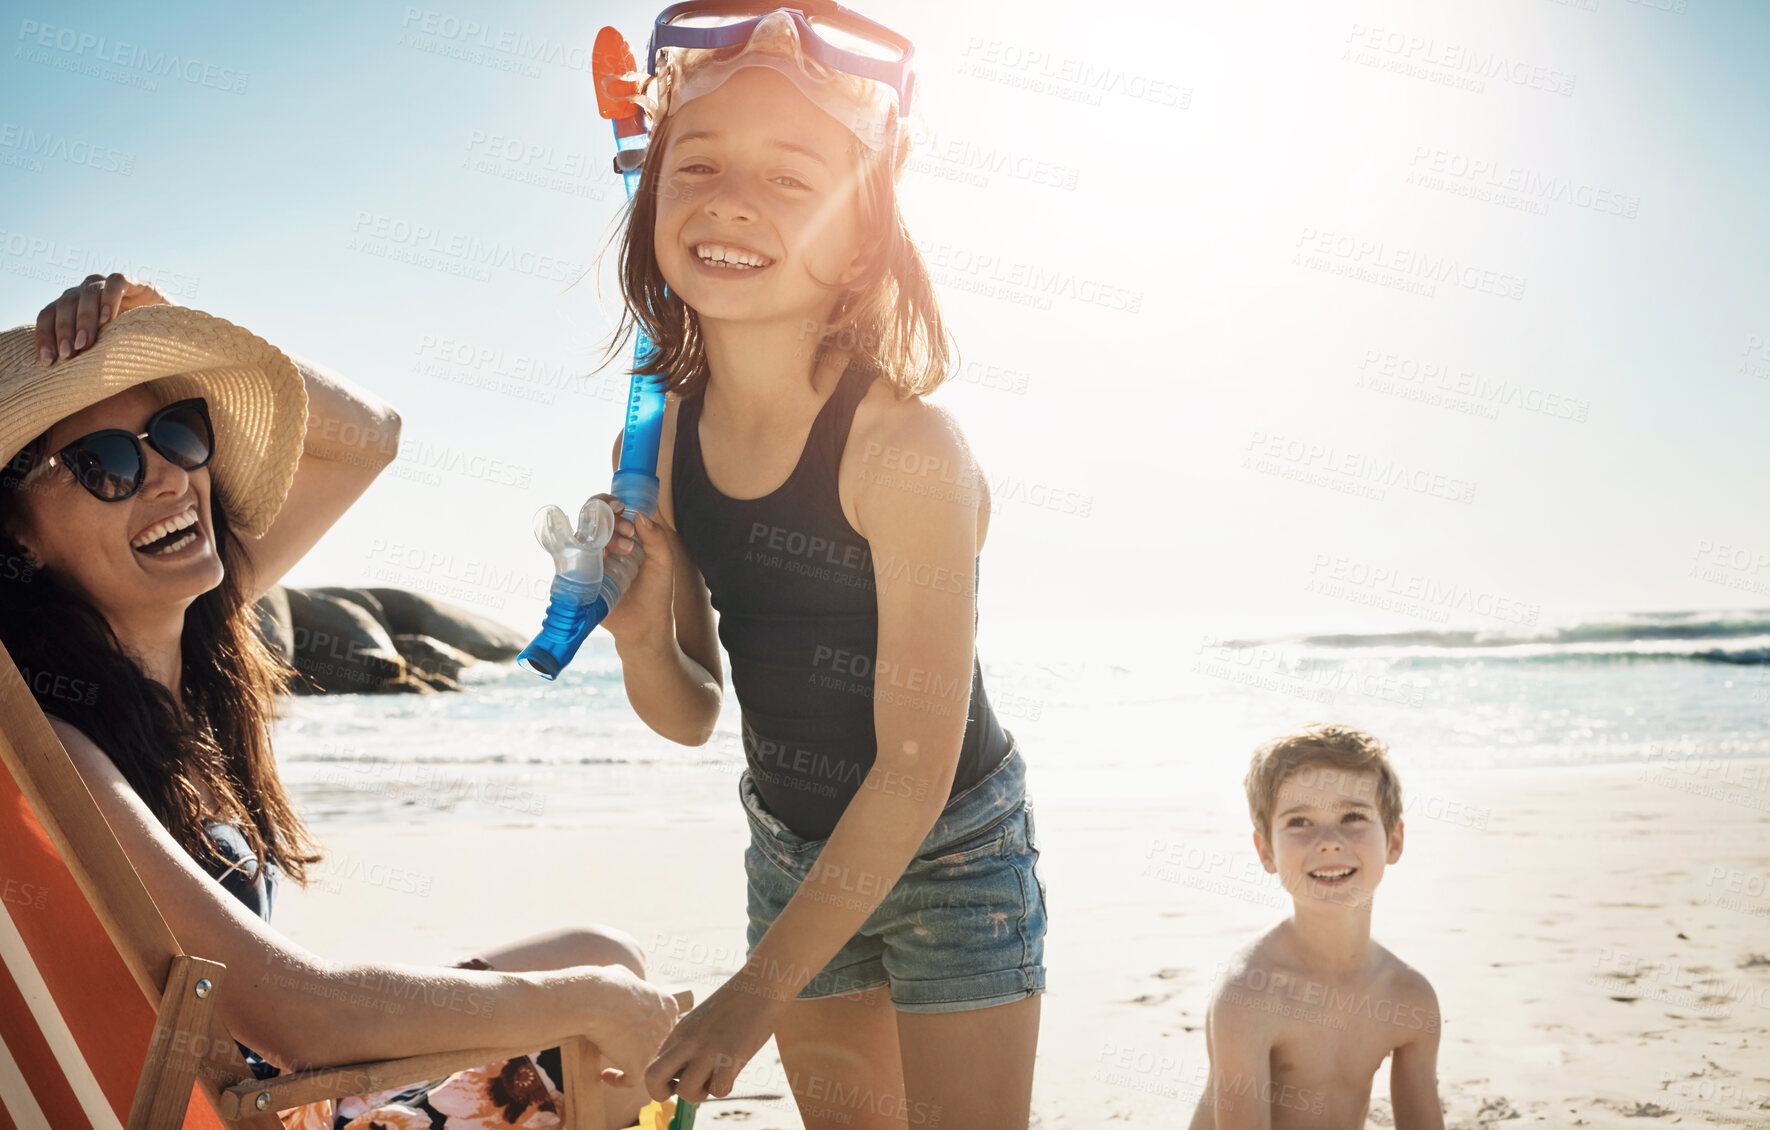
(1301, 1019)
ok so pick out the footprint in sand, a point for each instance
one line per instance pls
(1637, 1110)
(1710, 1065)
(1496, 1110)
(1169, 973)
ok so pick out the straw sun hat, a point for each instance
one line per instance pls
(256, 397)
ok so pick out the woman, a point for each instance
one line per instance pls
(162, 469)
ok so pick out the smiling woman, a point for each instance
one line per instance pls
(161, 468)
(111, 504)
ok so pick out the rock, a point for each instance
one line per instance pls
(410, 614)
(432, 660)
(274, 623)
(362, 599)
(410, 683)
(388, 641)
(339, 646)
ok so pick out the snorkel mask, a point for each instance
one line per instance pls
(851, 68)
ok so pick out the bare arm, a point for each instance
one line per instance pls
(1240, 1043)
(1201, 1113)
(351, 437)
(297, 1008)
(1413, 1070)
(665, 634)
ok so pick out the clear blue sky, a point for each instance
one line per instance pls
(1570, 416)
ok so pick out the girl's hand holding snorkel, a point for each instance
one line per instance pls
(644, 612)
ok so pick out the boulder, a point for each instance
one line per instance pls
(339, 646)
(347, 640)
(432, 660)
(274, 623)
(358, 597)
(411, 614)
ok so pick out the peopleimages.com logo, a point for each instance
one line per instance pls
(104, 57)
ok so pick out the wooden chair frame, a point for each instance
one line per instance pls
(185, 988)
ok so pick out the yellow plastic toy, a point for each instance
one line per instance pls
(667, 1115)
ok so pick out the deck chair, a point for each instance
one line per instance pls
(105, 1022)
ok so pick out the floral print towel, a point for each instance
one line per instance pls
(517, 1094)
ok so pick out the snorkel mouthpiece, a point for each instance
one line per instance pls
(587, 583)
(577, 584)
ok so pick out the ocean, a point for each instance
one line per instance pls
(1681, 693)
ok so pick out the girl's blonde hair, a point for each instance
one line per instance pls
(888, 317)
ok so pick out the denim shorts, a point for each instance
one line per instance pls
(963, 928)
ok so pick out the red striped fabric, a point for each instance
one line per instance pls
(100, 1003)
(36, 1062)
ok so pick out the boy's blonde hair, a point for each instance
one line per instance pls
(1324, 744)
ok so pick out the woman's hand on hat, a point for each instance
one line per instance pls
(70, 323)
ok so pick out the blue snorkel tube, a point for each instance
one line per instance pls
(586, 584)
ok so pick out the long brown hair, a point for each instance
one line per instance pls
(78, 671)
(888, 318)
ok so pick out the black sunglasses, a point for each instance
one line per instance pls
(112, 465)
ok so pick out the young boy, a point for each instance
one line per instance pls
(1301, 1019)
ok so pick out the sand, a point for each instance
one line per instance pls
(1599, 937)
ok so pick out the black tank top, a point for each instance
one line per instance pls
(799, 618)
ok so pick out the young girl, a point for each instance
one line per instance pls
(833, 518)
